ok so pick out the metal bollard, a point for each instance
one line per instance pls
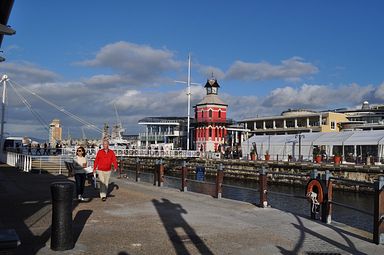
(263, 187)
(184, 173)
(61, 230)
(219, 181)
(378, 214)
(137, 170)
(326, 206)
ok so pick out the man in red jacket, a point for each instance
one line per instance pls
(105, 158)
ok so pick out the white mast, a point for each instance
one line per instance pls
(4, 81)
(189, 98)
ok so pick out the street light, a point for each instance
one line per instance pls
(299, 136)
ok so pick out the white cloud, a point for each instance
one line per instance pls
(134, 62)
(379, 92)
(317, 96)
(293, 68)
(25, 72)
(207, 71)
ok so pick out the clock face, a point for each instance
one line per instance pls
(209, 90)
(214, 90)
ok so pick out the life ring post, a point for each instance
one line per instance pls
(326, 206)
(263, 187)
(315, 192)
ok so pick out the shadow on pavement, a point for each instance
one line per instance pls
(173, 221)
(28, 208)
(350, 247)
(79, 222)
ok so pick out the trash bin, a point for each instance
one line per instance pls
(200, 173)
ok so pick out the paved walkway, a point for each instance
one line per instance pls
(142, 219)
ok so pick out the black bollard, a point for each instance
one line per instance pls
(61, 230)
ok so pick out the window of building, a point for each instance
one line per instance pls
(219, 114)
(210, 132)
(202, 114)
(210, 113)
(216, 132)
(333, 125)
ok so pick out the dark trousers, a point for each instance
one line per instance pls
(80, 183)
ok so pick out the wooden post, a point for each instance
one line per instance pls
(137, 170)
(219, 180)
(326, 206)
(184, 173)
(378, 214)
(160, 175)
(263, 187)
(156, 173)
(120, 167)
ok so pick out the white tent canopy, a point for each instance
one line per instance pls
(283, 145)
(375, 137)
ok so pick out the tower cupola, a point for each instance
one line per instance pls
(212, 86)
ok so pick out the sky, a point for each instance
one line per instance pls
(268, 56)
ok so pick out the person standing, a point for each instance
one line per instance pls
(45, 149)
(104, 160)
(80, 162)
(38, 149)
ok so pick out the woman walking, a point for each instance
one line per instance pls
(80, 162)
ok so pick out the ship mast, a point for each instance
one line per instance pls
(4, 80)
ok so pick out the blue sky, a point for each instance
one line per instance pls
(268, 56)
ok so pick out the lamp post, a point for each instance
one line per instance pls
(299, 136)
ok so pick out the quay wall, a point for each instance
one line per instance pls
(288, 173)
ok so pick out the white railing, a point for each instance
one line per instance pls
(157, 153)
(27, 162)
(91, 153)
(24, 161)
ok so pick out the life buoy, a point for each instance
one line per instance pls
(315, 186)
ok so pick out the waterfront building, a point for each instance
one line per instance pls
(211, 119)
(166, 132)
(366, 118)
(55, 132)
(295, 122)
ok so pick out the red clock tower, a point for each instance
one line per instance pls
(211, 116)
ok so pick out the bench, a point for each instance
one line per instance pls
(70, 168)
(71, 172)
(9, 239)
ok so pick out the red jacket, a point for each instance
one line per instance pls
(104, 160)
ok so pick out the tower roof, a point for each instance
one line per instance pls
(212, 83)
(211, 99)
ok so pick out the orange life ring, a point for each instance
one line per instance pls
(315, 185)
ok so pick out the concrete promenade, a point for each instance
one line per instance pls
(139, 218)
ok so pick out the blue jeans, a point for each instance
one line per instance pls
(80, 183)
